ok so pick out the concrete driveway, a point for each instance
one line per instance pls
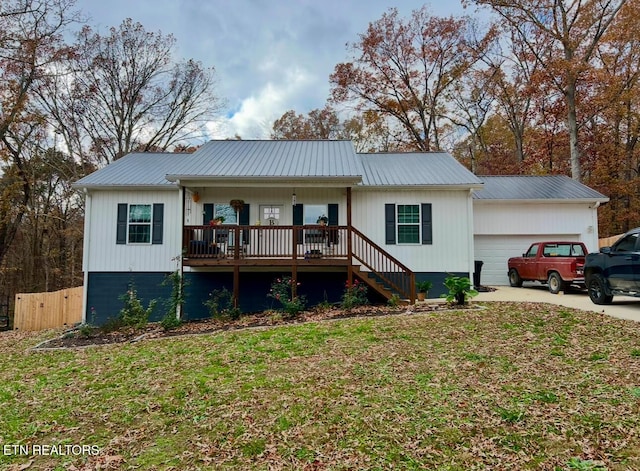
(623, 307)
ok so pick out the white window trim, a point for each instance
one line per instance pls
(129, 223)
(419, 224)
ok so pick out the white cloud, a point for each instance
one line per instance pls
(256, 113)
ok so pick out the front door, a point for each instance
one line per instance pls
(270, 214)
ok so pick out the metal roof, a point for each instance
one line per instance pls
(415, 169)
(138, 169)
(280, 159)
(548, 187)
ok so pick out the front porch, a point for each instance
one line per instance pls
(296, 247)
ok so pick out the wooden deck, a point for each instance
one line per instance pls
(265, 245)
(234, 246)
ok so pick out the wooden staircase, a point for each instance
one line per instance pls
(382, 272)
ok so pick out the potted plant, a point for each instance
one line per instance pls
(216, 221)
(323, 220)
(236, 204)
(423, 289)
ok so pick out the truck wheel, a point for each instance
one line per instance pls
(555, 283)
(514, 278)
(597, 290)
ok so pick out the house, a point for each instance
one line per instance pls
(391, 219)
(512, 212)
(238, 214)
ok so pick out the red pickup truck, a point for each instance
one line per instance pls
(559, 264)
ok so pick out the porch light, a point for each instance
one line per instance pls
(293, 199)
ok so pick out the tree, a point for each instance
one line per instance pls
(318, 124)
(123, 92)
(30, 42)
(572, 30)
(403, 70)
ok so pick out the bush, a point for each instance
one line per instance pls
(133, 314)
(220, 305)
(282, 291)
(459, 289)
(355, 294)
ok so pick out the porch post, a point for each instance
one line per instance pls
(349, 247)
(294, 281)
(236, 284)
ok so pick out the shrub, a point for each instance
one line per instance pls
(394, 300)
(282, 291)
(221, 306)
(460, 289)
(133, 313)
(355, 294)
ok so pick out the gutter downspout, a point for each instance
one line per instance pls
(182, 209)
(470, 248)
(86, 247)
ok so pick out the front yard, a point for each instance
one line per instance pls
(511, 386)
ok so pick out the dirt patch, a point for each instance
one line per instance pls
(77, 338)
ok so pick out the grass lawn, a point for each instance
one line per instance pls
(512, 386)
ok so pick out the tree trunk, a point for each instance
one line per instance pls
(572, 124)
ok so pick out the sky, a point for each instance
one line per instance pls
(270, 56)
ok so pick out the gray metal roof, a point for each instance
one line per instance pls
(283, 159)
(415, 169)
(549, 187)
(137, 169)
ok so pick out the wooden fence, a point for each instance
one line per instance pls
(39, 311)
(609, 241)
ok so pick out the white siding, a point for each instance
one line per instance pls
(452, 248)
(101, 251)
(537, 219)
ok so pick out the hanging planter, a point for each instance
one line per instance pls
(236, 204)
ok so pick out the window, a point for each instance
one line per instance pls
(139, 224)
(313, 213)
(628, 244)
(226, 211)
(408, 223)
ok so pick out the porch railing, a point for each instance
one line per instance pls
(265, 242)
(222, 243)
(381, 264)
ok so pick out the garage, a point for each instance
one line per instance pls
(512, 212)
(495, 250)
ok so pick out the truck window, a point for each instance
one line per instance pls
(628, 244)
(533, 251)
(577, 250)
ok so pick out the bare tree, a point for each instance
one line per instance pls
(123, 92)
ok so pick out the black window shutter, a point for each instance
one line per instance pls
(208, 213)
(332, 210)
(121, 227)
(158, 222)
(243, 220)
(427, 224)
(390, 223)
(298, 220)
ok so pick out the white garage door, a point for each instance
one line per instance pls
(495, 250)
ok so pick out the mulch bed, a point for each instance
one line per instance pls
(74, 338)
